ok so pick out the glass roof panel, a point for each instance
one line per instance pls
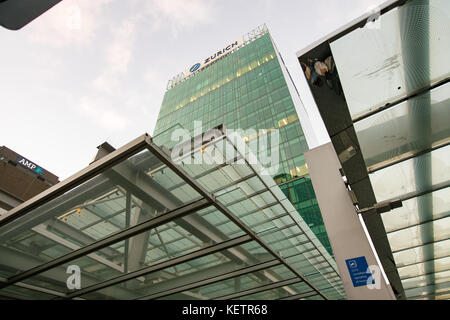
(240, 186)
(410, 215)
(412, 175)
(244, 282)
(156, 284)
(405, 50)
(419, 235)
(419, 254)
(427, 290)
(439, 277)
(407, 128)
(425, 268)
(94, 210)
(142, 188)
(395, 82)
(21, 293)
(169, 241)
(282, 292)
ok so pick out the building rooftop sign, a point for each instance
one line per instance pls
(29, 165)
(218, 54)
(18, 160)
(230, 47)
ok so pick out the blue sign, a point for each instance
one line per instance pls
(359, 271)
(194, 67)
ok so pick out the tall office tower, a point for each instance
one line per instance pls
(245, 85)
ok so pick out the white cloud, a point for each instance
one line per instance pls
(99, 112)
(117, 56)
(71, 22)
(178, 14)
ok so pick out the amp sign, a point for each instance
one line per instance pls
(30, 165)
(206, 61)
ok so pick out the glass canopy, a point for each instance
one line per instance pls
(394, 74)
(141, 224)
(402, 52)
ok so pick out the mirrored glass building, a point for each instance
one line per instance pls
(246, 87)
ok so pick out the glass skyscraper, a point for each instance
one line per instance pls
(246, 86)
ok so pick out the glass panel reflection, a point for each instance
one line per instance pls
(157, 284)
(122, 196)
(405, 51)
(407, 128)
(413, 175)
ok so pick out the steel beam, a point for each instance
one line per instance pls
(164, 265)
(300, 296)
(114, 238)
(57, 276)
(89, 172)
(263, 288)
(301, 276)
(194, 184)
(222, 277)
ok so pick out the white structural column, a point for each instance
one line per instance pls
(351, 245)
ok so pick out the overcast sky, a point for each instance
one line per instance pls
(90, 71)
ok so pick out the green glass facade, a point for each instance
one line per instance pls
(247, 89)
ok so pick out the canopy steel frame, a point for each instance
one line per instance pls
(145, 142)
(87, 173)
(226, 276)
(154, 149)
(253, 170)
(114, 238)
(262, 288)
(163, 265)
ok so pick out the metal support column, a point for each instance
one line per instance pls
(345, 229)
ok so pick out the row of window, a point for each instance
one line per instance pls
(211, 92)
(235, 87)
(229, 65)
(279, 99)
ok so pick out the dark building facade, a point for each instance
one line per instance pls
(21, 179)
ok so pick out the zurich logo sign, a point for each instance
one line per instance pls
(194, 67)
